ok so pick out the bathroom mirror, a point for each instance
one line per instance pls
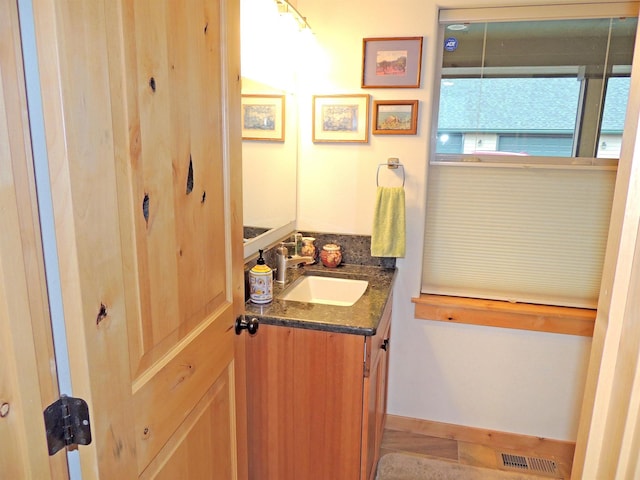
(269, 175)
(269, 48)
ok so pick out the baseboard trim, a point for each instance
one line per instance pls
(561, 451)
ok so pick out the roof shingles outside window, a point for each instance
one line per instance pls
(523, 105)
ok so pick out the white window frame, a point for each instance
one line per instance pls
(525, 13)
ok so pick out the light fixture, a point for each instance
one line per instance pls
(279, 49)
(457, 26)
(284, 7)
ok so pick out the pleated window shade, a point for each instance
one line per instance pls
(517, 232)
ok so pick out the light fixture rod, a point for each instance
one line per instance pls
(285, 7)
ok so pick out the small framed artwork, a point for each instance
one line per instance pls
(341, 118)
(263, 117)
(391, 62)
(395, 117)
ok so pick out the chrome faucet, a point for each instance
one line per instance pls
(284, 261)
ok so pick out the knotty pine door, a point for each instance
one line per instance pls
(141, 106)
(28, 383)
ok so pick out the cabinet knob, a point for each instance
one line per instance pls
(250, 325)
(385, 344)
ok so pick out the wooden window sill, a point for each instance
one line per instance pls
(493, 313)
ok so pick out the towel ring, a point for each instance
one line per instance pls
(390, 166)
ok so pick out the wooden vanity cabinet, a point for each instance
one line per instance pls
(317, 402)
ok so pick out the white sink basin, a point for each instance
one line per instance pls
(327, 290)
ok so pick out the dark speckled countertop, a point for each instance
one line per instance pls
(361, 318)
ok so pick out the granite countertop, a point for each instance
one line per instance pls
(362, 318)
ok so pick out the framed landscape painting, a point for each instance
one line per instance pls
(341, 118)
(395, 117)
(263, 117)
(391, 62)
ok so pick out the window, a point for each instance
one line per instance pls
(520, 186)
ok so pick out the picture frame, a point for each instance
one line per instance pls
(394, 62)
(263, 117)
(395, 117)
(341, 118)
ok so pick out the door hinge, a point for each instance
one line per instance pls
(67, 423)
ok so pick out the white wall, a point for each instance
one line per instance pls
(508, 380)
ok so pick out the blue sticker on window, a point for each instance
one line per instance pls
(450, 44)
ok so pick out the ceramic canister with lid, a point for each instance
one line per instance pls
(331, 255)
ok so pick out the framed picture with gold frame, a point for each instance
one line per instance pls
(263, 117)
(341, 118)
(395, 117)
(391, 62)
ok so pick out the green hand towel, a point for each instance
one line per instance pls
(388, 236)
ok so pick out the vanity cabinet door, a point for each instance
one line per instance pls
(305, 397)
(375, 395)
(270, 403)
(317, 402)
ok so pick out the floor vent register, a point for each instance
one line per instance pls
(538, 466)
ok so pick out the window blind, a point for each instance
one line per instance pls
(533, 233)
(540, 12)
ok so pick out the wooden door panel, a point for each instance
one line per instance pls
(202, 445)
(178, 383)
(178, 185)
(146, 91)
(180, 243)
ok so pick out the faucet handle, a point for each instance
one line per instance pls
(281, 263)
(297, 240)
(282, 250)
(289, 246)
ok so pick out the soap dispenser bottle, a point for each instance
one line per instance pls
(261, 282)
